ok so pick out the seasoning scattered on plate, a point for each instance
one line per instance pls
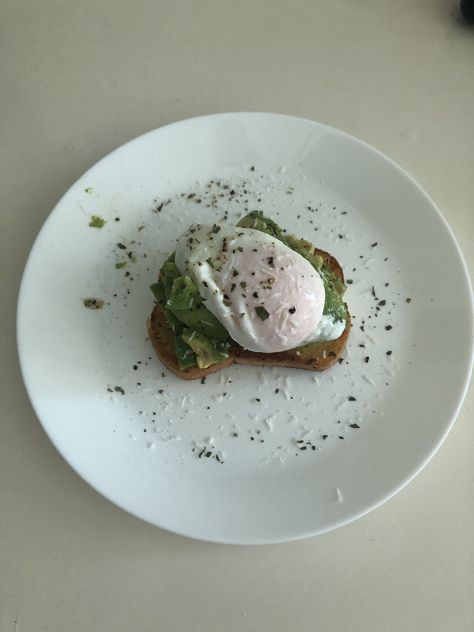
(93, 303)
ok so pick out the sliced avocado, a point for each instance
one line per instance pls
(169, 272)
(334, 288)
(183, 307)
(161, 290)
(185, 302)
(184, 294)
(207, 351)
(159, 293)
(306, 250)
(186, 356)
(257, 221)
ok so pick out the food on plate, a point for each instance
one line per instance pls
(93, 303)
(97, 222)
(250, 294)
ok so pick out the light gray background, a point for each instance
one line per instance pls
(77, 79)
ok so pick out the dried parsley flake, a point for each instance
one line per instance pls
(97, 221)
(262, 312)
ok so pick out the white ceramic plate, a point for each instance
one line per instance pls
(254, 455)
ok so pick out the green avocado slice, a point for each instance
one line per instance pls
(185, 302)
(207, 350)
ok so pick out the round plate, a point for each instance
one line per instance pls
(253, 454)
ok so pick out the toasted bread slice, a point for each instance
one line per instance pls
(316, 356)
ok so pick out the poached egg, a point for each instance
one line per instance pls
(267, 296)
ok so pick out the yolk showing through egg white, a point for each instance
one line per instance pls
(267, 296)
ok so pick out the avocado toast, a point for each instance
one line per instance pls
(192, 342)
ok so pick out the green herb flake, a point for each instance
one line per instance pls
(120, 265)
(119, 389)
(141, 227)
(97, 222)
(262, 312)
(88, 190)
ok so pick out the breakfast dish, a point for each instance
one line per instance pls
(291, 453)
(250, 294)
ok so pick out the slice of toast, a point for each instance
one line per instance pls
(316, 356)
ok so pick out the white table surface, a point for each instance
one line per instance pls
(77, 80)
